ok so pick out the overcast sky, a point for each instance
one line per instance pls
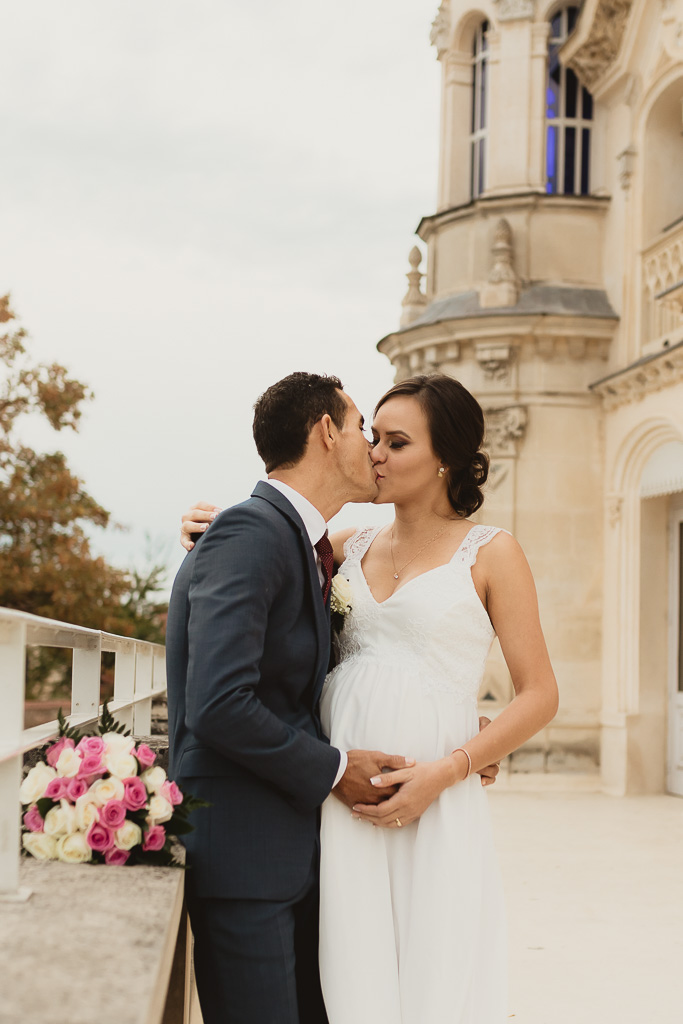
(198, 198)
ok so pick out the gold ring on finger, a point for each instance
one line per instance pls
(398, 822)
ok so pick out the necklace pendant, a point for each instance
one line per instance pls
(395, 575)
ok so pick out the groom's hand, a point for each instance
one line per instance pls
(355, 787)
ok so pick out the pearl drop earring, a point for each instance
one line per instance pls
(441, 471)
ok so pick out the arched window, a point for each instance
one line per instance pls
(569, 115)
(479, 111)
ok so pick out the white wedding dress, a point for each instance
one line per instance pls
(412, 922)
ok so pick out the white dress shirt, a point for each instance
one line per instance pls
(316, 527)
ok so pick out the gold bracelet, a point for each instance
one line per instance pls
(469, 760)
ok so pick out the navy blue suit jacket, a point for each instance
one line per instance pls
(247, 648)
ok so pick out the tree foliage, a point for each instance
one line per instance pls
(47, 566)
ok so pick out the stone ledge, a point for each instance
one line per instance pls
(93, 943)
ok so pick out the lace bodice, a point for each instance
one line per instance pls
(433, 626)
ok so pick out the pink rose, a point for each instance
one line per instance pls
(145, 755)
(134, 793)
(172, 793)
(57, 788)
(32, 819)
(113, 814)
(91, 766)
(91, 745)
(155, 837)
(116, 856)
(52, 753)
(76, 788)
(99, 837)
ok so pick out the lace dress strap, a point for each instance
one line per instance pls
(466, 554)
(358, 544)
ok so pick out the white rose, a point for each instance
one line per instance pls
(60, 821)
(121, 765)
(342, 593)
(73, 849)
(87, 811)
(36, 782)
(115, 743)
(68, 763)
(40, 845)
(154, 778)
(160, 810)
(107, 789)
(128, 836)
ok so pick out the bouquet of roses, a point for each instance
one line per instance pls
(101, 798)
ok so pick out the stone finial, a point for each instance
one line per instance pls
(503, 284)
(414, 300)
(441, 29)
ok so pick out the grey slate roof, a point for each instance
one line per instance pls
(537, 299)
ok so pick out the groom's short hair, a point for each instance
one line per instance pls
(286, 413)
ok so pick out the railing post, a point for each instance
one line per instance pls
(13, 682)
(124, 684)
(143, 684)
(85, 680)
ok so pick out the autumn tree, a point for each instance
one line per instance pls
(46, 563)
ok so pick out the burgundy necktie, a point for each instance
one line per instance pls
(324, 549)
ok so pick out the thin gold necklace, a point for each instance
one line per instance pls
(397, 572)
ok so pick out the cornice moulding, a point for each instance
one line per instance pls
(642, 378)
(531, 199)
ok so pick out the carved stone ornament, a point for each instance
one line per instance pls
(503, 284)
(592, 60)
(514, 10)
(614, 504)
(414, 300)
(494, 358)
(441, 29)
(504, 429)
(627, 161)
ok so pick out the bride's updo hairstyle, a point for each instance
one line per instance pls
(456, 427)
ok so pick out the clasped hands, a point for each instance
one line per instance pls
(386, 789)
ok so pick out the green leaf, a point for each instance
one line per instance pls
(109, 724)
(178, 827)
(44, 805)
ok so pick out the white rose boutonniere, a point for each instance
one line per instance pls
(340, 601)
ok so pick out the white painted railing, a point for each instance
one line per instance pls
(139, 676)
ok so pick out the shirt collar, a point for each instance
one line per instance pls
(316, 527)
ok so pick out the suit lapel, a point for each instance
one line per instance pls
(321, 611)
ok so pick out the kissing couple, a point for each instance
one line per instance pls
(344, 870)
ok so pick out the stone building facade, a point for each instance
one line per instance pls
(554, 291)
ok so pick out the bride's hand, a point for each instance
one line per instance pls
(419, 787)
(196, 520)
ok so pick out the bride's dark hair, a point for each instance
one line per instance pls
(456, 427)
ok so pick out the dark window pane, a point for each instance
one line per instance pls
(482, 95)
(556, 26)
(484, 40)
(571, 94)
(551, 159)
(569, 160)
(473, 150)
(585, 160)
(586, 105)
(572, 15)
(552, 96)
(475, 90)
(482, 155)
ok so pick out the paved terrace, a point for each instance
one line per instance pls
(595, 904)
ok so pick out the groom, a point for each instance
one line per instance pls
(248, 644)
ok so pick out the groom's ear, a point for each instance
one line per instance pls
(327, 430)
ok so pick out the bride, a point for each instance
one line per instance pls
(412, 922)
